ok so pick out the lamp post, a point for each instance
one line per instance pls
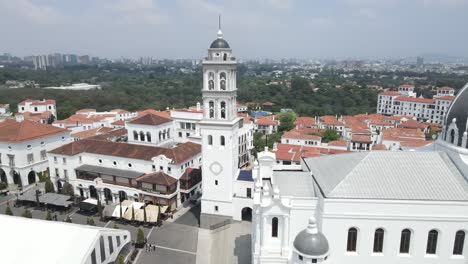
(38, 193)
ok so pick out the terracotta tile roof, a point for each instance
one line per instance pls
(165, 114)
(150, 119)
(118, 123)
(92, 132)
(296, 134)
(190, 110)
(37, 102)
(447, 98)
(191, 173)
(445, 88)
(36, 117)
(414, 99)
(338, 143)
(407, 85)
(245, 117)
(120, 111)
(379, 147)
(392, 93)
(294, 153)
(159, 178)
(266, 120)
(12, 131)
(398, 134)
(86, 110)
(361, 138)
(178, 154)
(268, 104)
(330, 120)
(114, 135)
(305, 121)
(414, 124)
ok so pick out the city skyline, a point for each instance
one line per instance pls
(257, 29)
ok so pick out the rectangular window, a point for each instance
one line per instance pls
(64, 161)
(216, 182)
(111, 244)
(57, 172)
(11, 160)
(216, 208)
(55, 159)
(30, 158)
(249, 192)
(81, 159)
(93, 257)
(118, 241)
(180, 134)
(65, 174)
(43, 155)
(103, 249)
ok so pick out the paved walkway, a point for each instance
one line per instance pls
(231, 244)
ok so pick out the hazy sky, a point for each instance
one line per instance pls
(254, 28)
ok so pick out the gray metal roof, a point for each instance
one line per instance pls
(294, 183)
(219, 43)
(389, 175)
(459, 110)
(311, 244)
(110, 171)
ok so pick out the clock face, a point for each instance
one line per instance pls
(216, 168)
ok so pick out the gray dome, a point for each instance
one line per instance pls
(219, 43)
(311, 242)
(459, 110)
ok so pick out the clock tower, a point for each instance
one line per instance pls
(220, 133)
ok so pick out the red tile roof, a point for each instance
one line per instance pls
(37, 102)
(86, 110)
(330, 120)
(268, 104)
(12, 131)
(407, 85)
(120, 111)
(159, 178)
(361, 138)
(191, 174)
(392, 93)
(150, 119)
(165, 114)
(266, 120)
(338, 143)
(305, 121)
(178, 154)
(92, 132)
(447, 97)
(297, 134)
(415, 99)
(36, 117)
(445, 88)
(414, 124)
(118, 123)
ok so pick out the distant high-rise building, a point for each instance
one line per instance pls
(419, 61)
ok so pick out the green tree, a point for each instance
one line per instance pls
(140, 241)
(49, 186)
(8, 211)
(26, 213)
(120, 260)
(48, 216)
(68, 219)
(286, 121)
(330, 135)
(115, 226)
(90, 221)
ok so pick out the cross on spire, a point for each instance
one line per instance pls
(220, 33)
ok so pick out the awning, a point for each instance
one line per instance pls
(47, 199)
(109, 210)
(127, 203)
(116, 212)
(128, 214)
(152, 213)
(110, 171)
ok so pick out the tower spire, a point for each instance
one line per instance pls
(220, 33)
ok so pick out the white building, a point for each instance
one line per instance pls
(405, 103)
(57, 242)
(151, 129)
(222, 135)
(37, 106)
(109, 170)
(370, 207)
(186, 124)
(77, 87)
(23, 148)
(4, 109)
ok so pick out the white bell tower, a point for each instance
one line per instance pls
(219, 131)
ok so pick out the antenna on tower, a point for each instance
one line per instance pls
(219, 21)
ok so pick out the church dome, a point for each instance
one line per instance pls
(219, 44)
(456, 120)
(311, 242)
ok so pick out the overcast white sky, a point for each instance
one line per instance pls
(254, 28)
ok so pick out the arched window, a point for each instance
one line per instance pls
(274, 227)
(223, 141)
(352, 240)
(452, 136)
(211, 109)
(148, 136)
(432, 242)
(378, 240)
(222, 82)
(223, 110)
(142, 136)
(405, 241)
(210, 140)
(135, 135)
(211, 85)
(459, 243)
